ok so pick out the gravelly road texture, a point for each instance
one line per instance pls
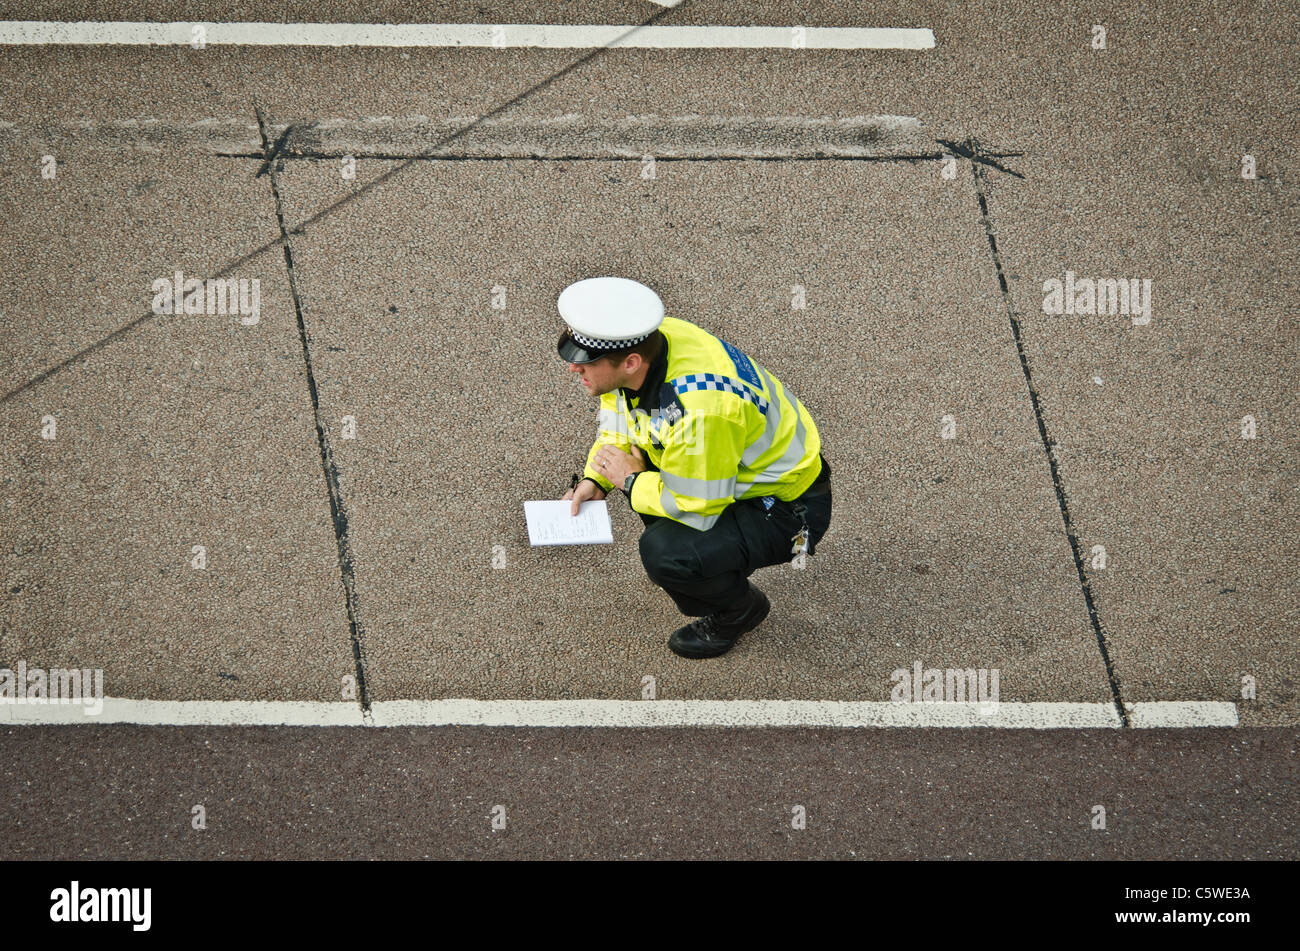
(349, 466)
(131, 792)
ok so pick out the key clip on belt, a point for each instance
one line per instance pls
(800, 539)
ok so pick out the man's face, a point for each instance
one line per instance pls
(598, 377)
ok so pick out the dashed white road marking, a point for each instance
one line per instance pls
(625, 713)
(499, 35)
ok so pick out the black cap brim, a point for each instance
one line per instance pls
(571, 351)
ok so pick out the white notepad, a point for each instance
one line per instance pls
(549, 523)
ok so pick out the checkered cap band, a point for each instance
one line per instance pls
(599, 344)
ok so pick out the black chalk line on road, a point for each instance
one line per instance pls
(424, 157)
(370, 186)
(272, 154)
(338, 514)
(971, 150)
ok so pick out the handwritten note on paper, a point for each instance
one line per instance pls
(549, 523)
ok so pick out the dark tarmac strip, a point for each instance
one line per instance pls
(126, 792)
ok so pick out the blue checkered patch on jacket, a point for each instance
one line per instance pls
(714, 381)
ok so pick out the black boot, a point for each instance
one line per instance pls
(717, 633)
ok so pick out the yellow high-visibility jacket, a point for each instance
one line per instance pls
(716, 424)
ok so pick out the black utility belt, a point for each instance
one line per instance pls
(822, 484)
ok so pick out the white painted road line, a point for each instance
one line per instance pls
(1182, 714)
(499, 35)
(626, 713)
(742, 713)
(186, 713)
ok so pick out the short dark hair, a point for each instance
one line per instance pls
(649, 349)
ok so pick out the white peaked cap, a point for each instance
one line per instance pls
(608, 313)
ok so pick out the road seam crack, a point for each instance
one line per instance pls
(338, 513)
(971, 150)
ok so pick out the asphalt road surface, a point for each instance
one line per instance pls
(317, 500)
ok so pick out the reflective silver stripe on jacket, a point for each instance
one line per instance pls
(699, 488)
(789, 459)
(612, 421)
(669, 504)
(773, 418)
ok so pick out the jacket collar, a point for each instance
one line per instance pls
(647, 396)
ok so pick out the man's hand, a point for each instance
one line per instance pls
(616, 465)
(586, 490)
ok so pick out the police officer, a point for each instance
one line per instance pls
(721, 461)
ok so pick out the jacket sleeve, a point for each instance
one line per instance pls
(613, 432)
(697, 477)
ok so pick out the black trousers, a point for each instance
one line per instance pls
(706, 572)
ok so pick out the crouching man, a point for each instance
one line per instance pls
(721, 461)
